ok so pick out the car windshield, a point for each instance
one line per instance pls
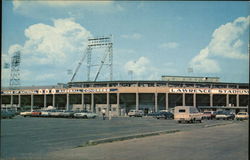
(224, 112)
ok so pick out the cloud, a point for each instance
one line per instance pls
(54, 44)
(142, 69)
(132, 36)
(54, 48)
(169, 45)
(226, 42)
(34, 8)
(138, 67)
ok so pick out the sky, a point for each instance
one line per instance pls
(150, 39)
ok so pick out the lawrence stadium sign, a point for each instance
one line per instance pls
(208, 91)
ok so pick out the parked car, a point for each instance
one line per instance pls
(209, 115)
(26, 113)
(67, 114)
(85, 114)
(135, 113)
(152, 114)
(55, 113)
(225, 115)
(45, 113)
(187, 114)
(164, 115)
(36, 113)
(7, 114)
(242, 116)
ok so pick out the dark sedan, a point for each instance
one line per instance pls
(164, 115)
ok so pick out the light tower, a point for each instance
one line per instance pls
(15, 69)
(97, 61)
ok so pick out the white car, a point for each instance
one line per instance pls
(45, 113)
(226, 115)
(27, 113)
(135, 113)
(67, 114)
(242, 116)
(85, 114)
(55, 113)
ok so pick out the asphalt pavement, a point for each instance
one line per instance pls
(224, 142)
(23, 138)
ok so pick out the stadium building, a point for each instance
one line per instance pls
(206, 93)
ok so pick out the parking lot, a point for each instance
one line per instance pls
(25, 137)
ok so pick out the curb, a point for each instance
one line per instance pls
(214, 125)
(121, 138)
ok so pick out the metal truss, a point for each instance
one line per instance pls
(15, 70)
(106, 60)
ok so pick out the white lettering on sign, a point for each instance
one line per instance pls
(183, 90)
(233, 91)
(207, 91)
(60, 91)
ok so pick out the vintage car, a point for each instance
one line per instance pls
(135, 113)
(225, 115)
(56, 113)
(209, 115)
(36, 113)
(164, 115)
(241, 116)
(26, 113)
(7, 114)
(85, 114)
(67, 114)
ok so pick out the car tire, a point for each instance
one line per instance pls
(85, 117)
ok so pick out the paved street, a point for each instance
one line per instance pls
(226, 142)
(29, 137)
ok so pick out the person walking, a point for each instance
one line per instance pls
(103, 114)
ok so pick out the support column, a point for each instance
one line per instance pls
(194, 100)
(92, 102)
(53, 100)
(11, 100)
(32, 102)
(166, 101)
(227, 100)
(118, 103)
(44, 101)
(84, 108)
(67, 102)
(211, 100)
(237, 100)
(156, 102)
(183, 99)
(108, 106)
(19, 101)
(137, 101)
